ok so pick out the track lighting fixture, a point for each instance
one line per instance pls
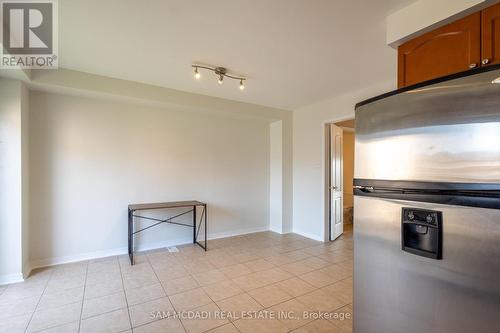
(221, 73)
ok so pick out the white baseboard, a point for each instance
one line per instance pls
(38, 263)
(279, 231)
(238, 232)
(308, 235)
(26, 269)
(105, 253)
(11, 278)
(275, 229)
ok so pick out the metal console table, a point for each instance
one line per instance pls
(132, 209)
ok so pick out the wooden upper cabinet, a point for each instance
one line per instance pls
(453, 48)
(490, 43)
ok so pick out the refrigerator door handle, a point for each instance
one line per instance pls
(484, 195)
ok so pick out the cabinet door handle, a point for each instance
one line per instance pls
(485, 61)
(472, 65)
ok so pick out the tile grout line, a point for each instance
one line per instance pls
(57, 307)
(214, 302)
(328, 320)
(217, 305)
(296, 298)
(201, 287)
(166, 295)
(83, 297)
(217, 308)
(39, 300)
(125, 293)
(297, 276)
(93, 316)
(102, 313)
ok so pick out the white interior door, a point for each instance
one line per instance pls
(336, 186)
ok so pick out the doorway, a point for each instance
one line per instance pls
(339, 178)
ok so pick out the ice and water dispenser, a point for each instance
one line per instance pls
(421, 232)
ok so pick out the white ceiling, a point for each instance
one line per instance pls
(294, 52)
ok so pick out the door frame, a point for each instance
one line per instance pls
(325, 174)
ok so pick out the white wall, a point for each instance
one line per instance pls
(83, 84)
(90, 158)
(348, 167)
(309, 152)
(10, 181)
(276, 177)
(287, 211)
(25, 170)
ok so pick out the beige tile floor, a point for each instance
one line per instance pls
(262, 282)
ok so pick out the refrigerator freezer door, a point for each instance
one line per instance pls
(447, 132)
(397, 291)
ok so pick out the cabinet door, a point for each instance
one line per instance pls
(453, 48)
(491, 35)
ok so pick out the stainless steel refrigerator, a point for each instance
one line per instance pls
(427, 207)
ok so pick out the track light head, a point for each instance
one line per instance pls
(197, 74)
(221, 72)
(242, 86)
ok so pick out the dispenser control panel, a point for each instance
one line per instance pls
(422, 232)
